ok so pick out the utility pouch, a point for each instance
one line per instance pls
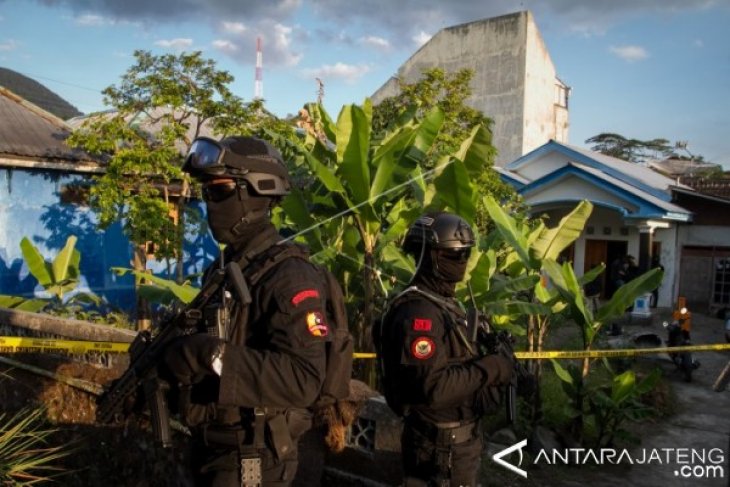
(216, 318)
(279, 436)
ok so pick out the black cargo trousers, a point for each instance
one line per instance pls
(441, 455)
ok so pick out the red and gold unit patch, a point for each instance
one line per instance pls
(316, 324)
(421, 324)
(302, 295)
(423, 348)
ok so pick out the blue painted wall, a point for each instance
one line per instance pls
(31, 206)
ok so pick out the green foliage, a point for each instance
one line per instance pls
(608, 401)
(361, 191)
(567, 284)
(161, 104)
(449, 92)
(159, 290)
(634, 150)
(26, 458)
(22, 304)
(58, 278)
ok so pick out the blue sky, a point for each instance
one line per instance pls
(641, 68)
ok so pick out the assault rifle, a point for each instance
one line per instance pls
(500, 343)
(141, 379)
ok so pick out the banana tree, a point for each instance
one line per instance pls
(159, 290)
(364, 193)
(58, 278)
(568, 286)
(528, 248)
(566, 283)
(524, 247)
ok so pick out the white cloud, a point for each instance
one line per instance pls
(376, 42)
(234, 27)
(421, 38)
(92, 20)
(630, 53)
(348, 72)
(277, 40)
(282, 43)
(225, 46)
(177, 44)
(698, 43)
(8, 45)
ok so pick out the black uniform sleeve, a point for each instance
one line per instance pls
(289, 369)
(426, 370)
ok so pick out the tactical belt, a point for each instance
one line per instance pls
(269, 429)
(442, 434)
(232, 437)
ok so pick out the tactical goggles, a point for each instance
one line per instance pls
(205, 156)
(264, 173)
(457, 255)
(216, 191)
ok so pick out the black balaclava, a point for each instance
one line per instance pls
(439, 273)
(238, 218)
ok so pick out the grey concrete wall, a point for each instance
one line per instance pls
(514, 79)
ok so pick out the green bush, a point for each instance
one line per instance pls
(26, 457)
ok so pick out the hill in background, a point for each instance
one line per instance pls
(37, 94)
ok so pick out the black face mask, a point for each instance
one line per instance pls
(232, 218)
(439, 272)
(451, 267)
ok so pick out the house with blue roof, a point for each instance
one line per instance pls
(637, 212)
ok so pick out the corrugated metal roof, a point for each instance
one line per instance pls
(29, 132)
(664, 205)
(637, 171)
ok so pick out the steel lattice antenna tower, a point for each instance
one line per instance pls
(258, 84)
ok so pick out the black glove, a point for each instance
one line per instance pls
(190, 358)
(498, 369)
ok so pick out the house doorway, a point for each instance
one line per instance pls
(606, 252)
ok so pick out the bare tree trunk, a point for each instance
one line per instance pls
(139, 263)
(180, 228)
(536, 369)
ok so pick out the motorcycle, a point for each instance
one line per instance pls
(677, 337)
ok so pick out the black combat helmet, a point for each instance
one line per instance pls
(248, 158)
(438, 231)
(243, 178)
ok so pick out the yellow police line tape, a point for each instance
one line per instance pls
(52, 345)
(624, 352)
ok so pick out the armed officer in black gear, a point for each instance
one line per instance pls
(245, 386)
(429, 373)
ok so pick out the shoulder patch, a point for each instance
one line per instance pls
(305, 294)
(421, 324)
(423, 348)
(316, 324)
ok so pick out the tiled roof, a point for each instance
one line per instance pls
(719, 187)
(30, 133)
